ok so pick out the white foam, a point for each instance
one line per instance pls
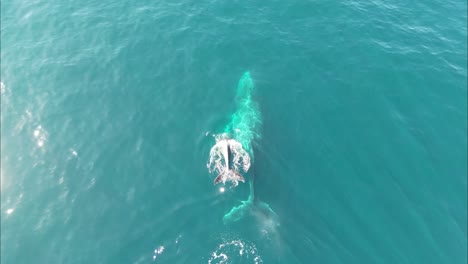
(237, 250)
(41, 136)
(158, 251)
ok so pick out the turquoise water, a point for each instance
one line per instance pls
(108, 107)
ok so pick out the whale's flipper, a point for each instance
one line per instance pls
(239, 177)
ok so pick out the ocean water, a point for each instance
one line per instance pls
(108, 110)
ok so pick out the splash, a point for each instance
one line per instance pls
(237, 141)
(235, 251)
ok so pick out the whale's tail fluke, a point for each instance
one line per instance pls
(232, 175)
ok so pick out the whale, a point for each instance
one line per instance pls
(233, 153)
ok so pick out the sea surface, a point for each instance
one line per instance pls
(108, 111)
